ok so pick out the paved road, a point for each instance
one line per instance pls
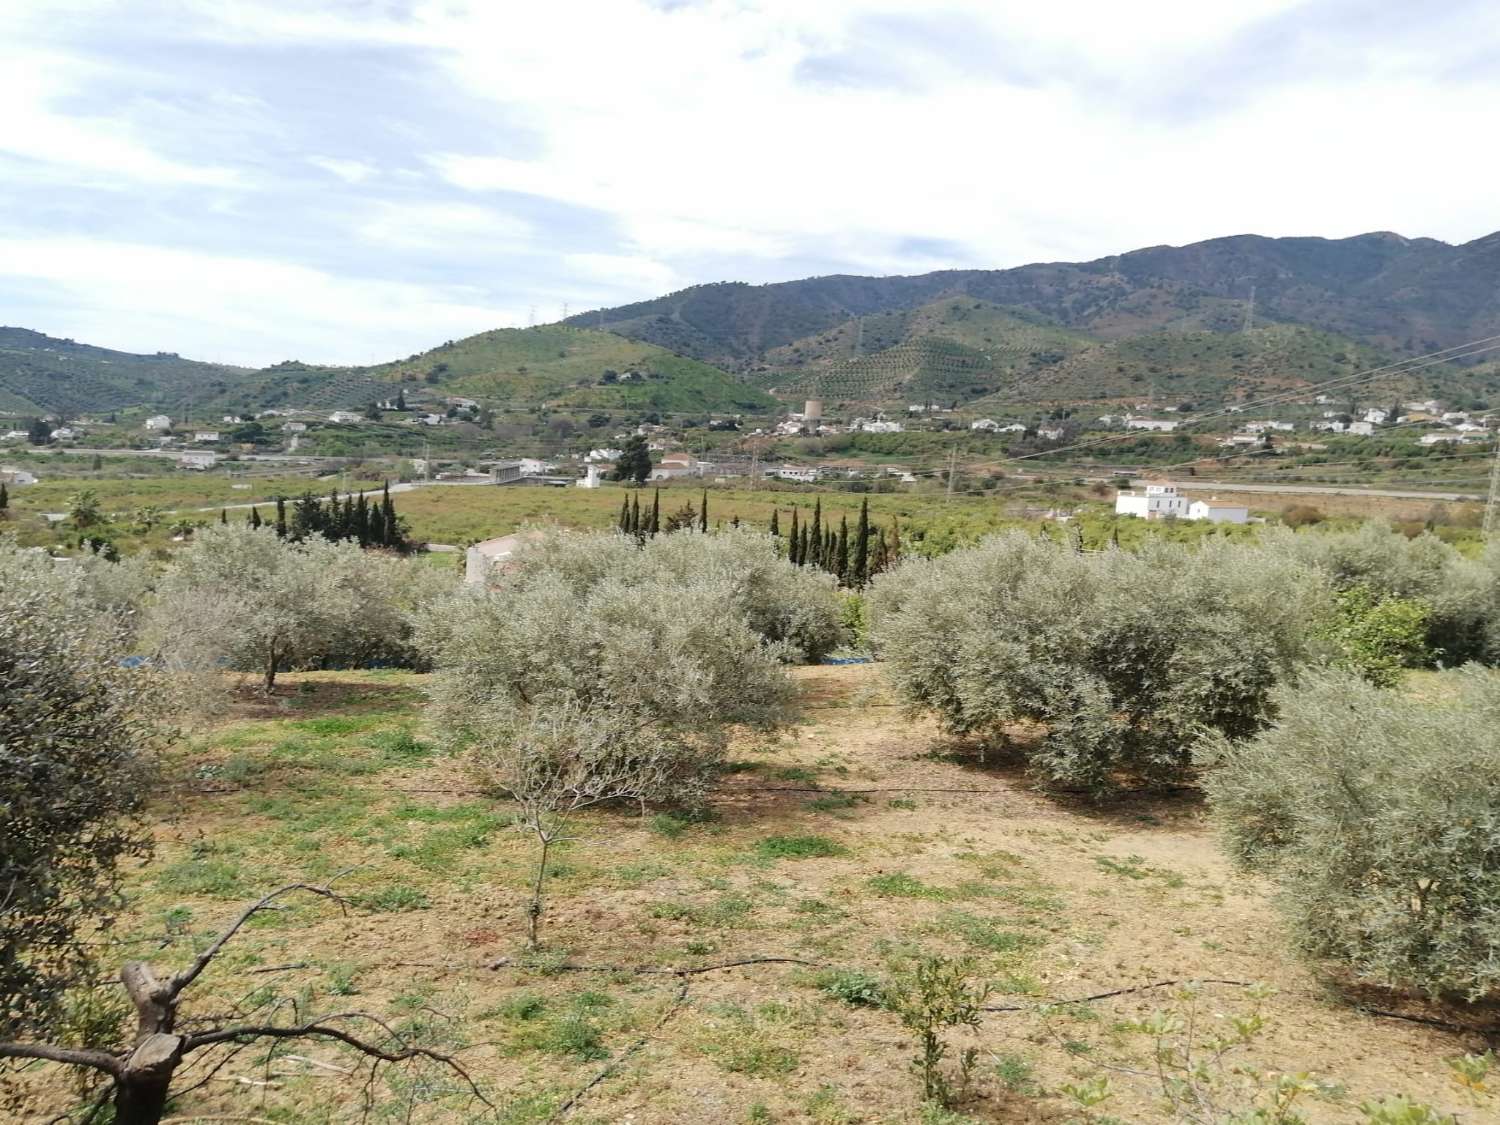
(1194, 484)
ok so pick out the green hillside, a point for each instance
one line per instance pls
(42, 374)
(557, 365)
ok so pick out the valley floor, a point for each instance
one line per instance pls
(860, 836)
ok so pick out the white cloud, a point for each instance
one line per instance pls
(236, 309)
(436, 226)
(350, 171)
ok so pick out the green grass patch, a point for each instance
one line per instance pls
(855, 988)
(395, 899)
(799, 847)
(898, 884)
(984, 934)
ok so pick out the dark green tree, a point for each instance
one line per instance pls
(625, 515)
(4, 496)
(224, 516)
(805, 546)
(281, 525)
(254, 520)
(655, 514)
(793, 544)
(841, 549)
(703, 513)
(39, 432)
(816, 536)
(635, 516)
(861, 573)
(362, 523)
(634, 462)
(776, 522)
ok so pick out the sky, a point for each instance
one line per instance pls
(353, 181)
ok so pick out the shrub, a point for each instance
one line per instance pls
(1379, 819)
(1123, 659)
(1378, 637)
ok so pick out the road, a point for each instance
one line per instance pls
(1194, 484)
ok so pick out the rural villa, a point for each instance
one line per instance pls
(1159, 501)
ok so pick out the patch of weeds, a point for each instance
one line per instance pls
(738, 1043)
(794, 773)
(982, 933)
(1016, 1073)
(439, 848)
(759, 1114)
(799, 847)
(339, 724)
(523, 1006)
(397, 747)
(818, 908)
(634, 874)
(857, 989)
(834, 802)
(826, 1107)
(674, 823)
(341, 980)
(396, 898)
(203, 875)
(576, 1035)
(898, 884)
(901, 803)
(699, 948)
(725, 911)
(1136, 867)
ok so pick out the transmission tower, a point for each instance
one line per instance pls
(1492, 508)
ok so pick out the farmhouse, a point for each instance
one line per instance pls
(158, 422)
(1215, 511)
(197, 460)
(1157, 502)
(16, 476)
(1165, 425)
(344, 417)
(674, 465)
(797, 473)
(206, 435)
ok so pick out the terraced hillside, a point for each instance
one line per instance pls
(42, 374)
(565, 366)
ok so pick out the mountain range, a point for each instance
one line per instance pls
(1229, 317)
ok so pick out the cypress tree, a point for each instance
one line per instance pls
(861, 573)
(1114, 538)
(224, 517)
(841, 552)
(1077, 538)
(775, 522)
(881, 557)
(734, 520)
(655, 513)
(817, 529)
(362, 521)
(4, 496)
(895, 553)
(804, 546)
(281, 517)
(793, 547)
(635, 516)
(625, 515)
(703, 513)
(254, 517)
(390, 528)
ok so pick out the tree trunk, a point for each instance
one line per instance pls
(141, 1092)
(273, 662)
(534, 911)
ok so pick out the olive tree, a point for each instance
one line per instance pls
(78, 736)
(565, 692)
(1120, 660)
(1377, 815)
(781, 602)
(246, 599)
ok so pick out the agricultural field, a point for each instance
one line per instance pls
(728, 967)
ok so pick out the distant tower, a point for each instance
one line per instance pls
(812, 412)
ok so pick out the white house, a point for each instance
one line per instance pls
(16, 476)
(1157, 502)
(1165, 425)
(14, 435)
(1013, 428)
(1434, 439)
(604, 454)
(1377, 416)
(1240, 439)
(158, 422)
(294, 427)
(797, 473)
(197, 460)
(1049, 433)
(206, 435)
(674, 465)
(1363, 429)
(1215, 511)
(344, 417)
(590, 478)
(535, 467)
(1262, 427)
(66, 433)
(988, 425)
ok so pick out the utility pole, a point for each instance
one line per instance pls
(952, 465)
(1492, 509)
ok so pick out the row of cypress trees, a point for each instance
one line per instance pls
(371, 523)
(853, 559)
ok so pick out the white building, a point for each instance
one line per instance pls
(1049, 433)
(1157, 502)
(1165, 425)
(1435, 439)
(604, 454)
(535, 467)
(1215, 511)
(674, 465)
(294, 427)
(1262, 427)
(17, 476)
(1363, 429)
(1377, 416)
(197, 460)
(158, 422)
(206, 435)
(988, 425)
(590, 477)
(14, 435)
(1240, 439)
(797, 473)
(344, 417)
(505, 472)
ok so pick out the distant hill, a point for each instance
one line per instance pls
(41, 374)
(552, 365)
(1399, 294)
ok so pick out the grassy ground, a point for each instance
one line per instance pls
(859, 837)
